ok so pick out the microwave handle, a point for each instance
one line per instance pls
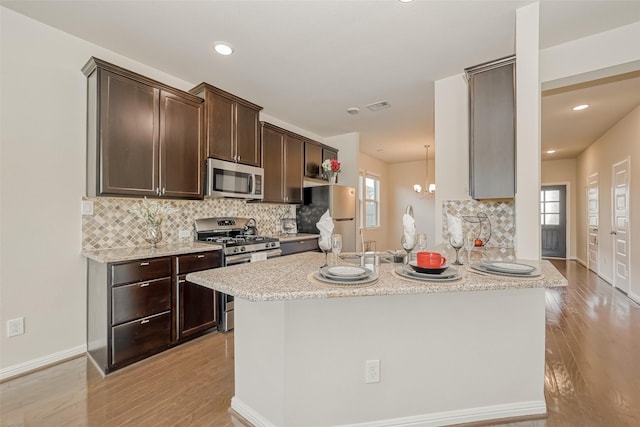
(252, 179)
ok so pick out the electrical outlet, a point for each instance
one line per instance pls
(183, 234)
(371, 371)
(86, 207)
(15, 327)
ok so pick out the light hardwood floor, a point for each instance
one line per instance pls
(592, 374)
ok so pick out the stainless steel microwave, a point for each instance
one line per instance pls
(228, 179)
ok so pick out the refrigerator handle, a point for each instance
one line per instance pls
(343, 219)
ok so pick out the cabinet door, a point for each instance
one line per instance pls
(129, 121)
(220, 124)
(293, 169)
(492, 133)
(181, 147)
(247, 136)
(312, 160)
(273, 155)
(197, 308)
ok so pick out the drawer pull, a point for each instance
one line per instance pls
(181, 281)
(200, 256)
(144, 321)
(144, 285)
(142, 264)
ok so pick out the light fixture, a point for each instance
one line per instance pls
(581, 107)
(429, 189)
(550, 151)
(353, 110)
(223, 48)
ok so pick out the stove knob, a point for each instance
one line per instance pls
(242, 249)
(235, 250)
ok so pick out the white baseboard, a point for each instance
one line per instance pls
(41, 362)
(635, 297)
(584, 264)
(494, 412)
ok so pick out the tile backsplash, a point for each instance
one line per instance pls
(113, 226)
(500, 214)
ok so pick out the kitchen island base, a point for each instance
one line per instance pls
(445, 358)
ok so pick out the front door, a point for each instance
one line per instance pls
(620, 226)
(592, 221)
(553, 220)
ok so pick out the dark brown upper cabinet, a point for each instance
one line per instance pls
(232, 126)
(144, 138)
(314, 154)
(283, 154)
(492, 129)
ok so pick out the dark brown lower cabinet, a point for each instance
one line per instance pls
(139, 308)
(197, 308)
(297, 246)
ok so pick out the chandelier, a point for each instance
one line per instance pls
(429, 189)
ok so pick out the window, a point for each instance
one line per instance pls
(550, 207)
(369, 200)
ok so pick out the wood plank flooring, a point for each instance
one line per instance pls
(592, 374)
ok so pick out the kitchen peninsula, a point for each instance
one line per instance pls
(449, 353)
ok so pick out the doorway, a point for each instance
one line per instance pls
(593, 210)
(553, 220)
(620, 224)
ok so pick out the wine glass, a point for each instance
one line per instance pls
(456, 245)
(408, 246)
(324, 243)
(469, 242)
(336, 245)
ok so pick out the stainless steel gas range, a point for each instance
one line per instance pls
(241, 244)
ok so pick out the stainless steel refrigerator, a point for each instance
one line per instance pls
(341, 202)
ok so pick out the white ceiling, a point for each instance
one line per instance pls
(306, 62)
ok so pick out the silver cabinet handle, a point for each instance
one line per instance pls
(181, 281)
(163, 191)
(142, 264)
(144, 285)
(613, 232)
(144, 321)
(199, 256)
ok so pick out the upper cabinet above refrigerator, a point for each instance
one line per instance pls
(492, 125)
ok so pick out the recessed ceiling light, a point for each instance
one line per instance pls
(550, 151)
(223, 48)
(353, 110)
(580, 107)
(405, 1)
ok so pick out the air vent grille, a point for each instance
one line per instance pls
(378, 105)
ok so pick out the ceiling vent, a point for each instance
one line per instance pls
(378, 105)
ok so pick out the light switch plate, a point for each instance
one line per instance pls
(86, 207)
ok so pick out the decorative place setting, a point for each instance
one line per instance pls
(429, 267)
(506, 269)
(345, 275)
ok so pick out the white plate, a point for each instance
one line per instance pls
(371, 277)
(326, 274)
(346, 271)
(509, 267)
(481, 267)
(426, 277)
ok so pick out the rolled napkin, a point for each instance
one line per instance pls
(325, 226)
(409, 230)
(455, 230)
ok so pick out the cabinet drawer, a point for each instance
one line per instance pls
(140, 271)
(140, 337)
(196, 262)
(297, 246)
(140, 299)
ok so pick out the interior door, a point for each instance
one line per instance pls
(553, 220)
(620, 226)
(592, 221)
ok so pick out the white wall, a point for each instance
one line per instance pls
(452, 139)
(564, 172)
(402, 178)
(618, 143)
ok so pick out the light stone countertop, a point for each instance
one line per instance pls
(128, 254)
(285, 278)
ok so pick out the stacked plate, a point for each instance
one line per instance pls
(509, 269)
(441, 274)
(345, 275)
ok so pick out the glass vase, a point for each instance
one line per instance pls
(333, 177)
(153, 233)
